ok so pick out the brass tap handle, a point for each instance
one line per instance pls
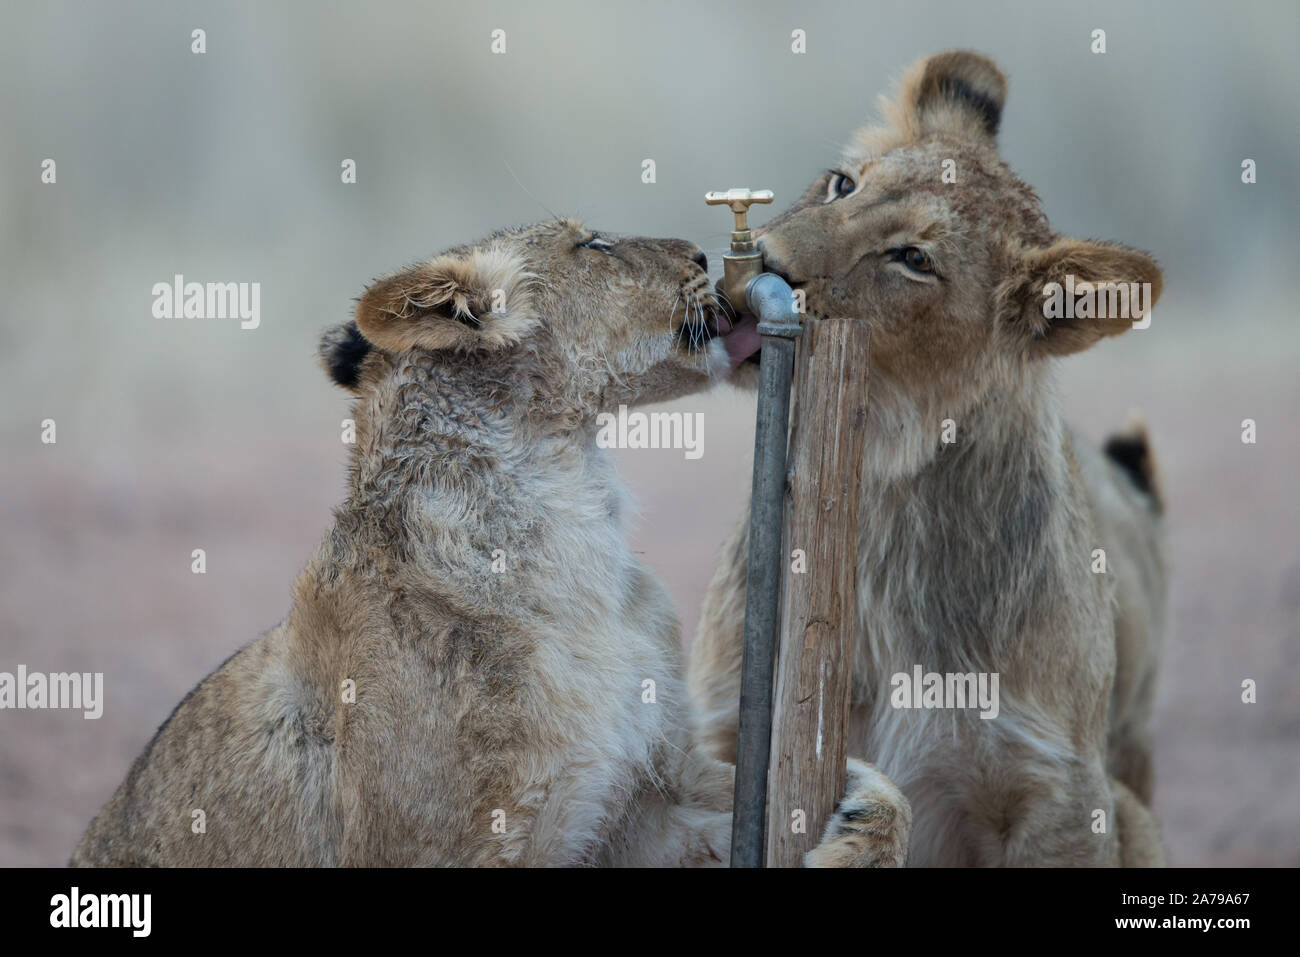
(739, 200)
(744, 261)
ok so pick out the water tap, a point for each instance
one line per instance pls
(746, 286)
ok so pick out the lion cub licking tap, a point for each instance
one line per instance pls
(476, 669)
(979, 510)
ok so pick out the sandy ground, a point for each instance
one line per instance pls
(95, 576)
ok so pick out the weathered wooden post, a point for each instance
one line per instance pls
(814, 666)
(801, 590)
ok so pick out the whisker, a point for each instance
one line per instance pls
(726, 301)
(548, 209)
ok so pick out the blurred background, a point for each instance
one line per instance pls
(181, 434)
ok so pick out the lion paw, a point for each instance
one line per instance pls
(870, 827)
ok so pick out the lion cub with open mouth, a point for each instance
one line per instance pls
(476, 669)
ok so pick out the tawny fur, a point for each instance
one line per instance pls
(974, 556)
(478, 594)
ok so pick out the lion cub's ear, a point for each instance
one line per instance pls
(342, 349)
(465, 301)
(1065, 297)
(958, 93)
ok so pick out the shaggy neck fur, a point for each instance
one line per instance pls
(484, 503)
(956, 538)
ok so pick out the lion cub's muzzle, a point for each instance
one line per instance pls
(705, 316)
(699, 317)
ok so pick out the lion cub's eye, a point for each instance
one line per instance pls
(595, 242)
(842, 185)
(915, 259)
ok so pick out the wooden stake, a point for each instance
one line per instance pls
(814, 669)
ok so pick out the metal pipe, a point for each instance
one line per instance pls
(771, 299)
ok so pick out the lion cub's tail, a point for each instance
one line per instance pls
(1130, 449)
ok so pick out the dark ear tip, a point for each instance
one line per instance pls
(970, 80)
(342, 350)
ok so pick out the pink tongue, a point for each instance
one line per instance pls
(743, 340)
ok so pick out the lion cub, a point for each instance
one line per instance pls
(982, 519)
(476, 669)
